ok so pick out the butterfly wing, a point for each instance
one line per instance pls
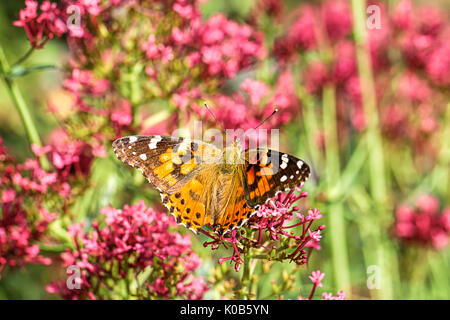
(268, 172)
(168, 163)
(189, 204)
(236, 211)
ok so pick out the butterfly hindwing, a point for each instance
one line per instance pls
(235, 214)
(168, 163)
(268, 172)
(187, 205)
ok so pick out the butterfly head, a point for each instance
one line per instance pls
(232, 154)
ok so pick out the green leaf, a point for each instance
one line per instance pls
(20, 71)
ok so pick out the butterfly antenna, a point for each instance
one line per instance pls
(259, 125)
(206, 105)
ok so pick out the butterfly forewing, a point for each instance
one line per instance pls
(167, 162)
(268, 172)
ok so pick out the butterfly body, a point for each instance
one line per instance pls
(204, 185)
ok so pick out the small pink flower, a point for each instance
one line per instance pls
(317, 277)
(255, 89)
(150, 48)
(313, 214)
(427, 204)
(8, 195)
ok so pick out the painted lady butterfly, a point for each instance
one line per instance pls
(203, 185)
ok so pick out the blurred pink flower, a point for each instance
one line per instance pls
(329, 296)
(316, 76)
(402, 15)
(301, 35)
(337, 18)
(83, 81)
(121, 114)
(345, 63)
(438, 65)
(412, 87)
(423, 225)
(255, 89)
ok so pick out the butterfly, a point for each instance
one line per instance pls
(201, 184)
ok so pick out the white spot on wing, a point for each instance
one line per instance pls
(156, 139)
(133, 139)
(283, 178)
(143, 156)
(152, 145)
(299, 163)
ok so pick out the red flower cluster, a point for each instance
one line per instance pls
(69, 157)
(43, 26)
(22, 225)
(269, 229)
(133, 241)
(424, 224)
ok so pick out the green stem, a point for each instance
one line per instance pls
(331, 138)
(247, 281)
(311, 128)
(244, 292)
(21, 106)
(355, 164)
(339, 253)
(376, 159)
(24, 57)
(378, 187)
(441, 173)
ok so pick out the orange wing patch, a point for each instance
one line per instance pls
(185, 206)
(251, 176)
(188, 166)
(163, 170)
(235, 215)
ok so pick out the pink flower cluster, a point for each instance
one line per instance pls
(270, 227)
(23, 224)
(70, 158)
(425, 224)
(218, 46)
(43, 26)
(224, 47)
(132, 239)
